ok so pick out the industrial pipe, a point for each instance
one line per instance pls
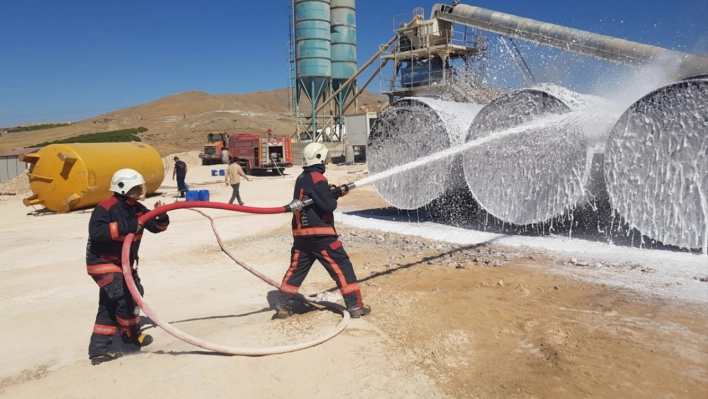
(357, 73)
(293, 206)
(362, 88)
(569, 39)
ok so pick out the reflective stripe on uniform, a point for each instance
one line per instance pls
(298, 215)
(115, 234)
(284, 286)
(128, 322)
(293, 266)
(102, 329)
(289, 289)
(336, 268)
(114, 230)
(348, 289)
(314, 231)
(103, 268)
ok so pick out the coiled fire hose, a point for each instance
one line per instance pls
(294, 206)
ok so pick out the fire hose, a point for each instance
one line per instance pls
(293, 206)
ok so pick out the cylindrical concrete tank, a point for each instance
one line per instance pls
(64, 177)
(313, 65)
(412, 128)
(696, 77)
(343, 36)
(656, 164)
(539, 171)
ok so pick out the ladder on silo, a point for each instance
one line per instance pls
(291, 57)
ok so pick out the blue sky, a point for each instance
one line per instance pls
(70, 60)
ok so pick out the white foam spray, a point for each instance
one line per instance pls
(453, 151)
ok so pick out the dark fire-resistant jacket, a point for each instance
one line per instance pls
(316, 219)
(110, 222)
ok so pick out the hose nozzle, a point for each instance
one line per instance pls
(338, 191)
(296, 205)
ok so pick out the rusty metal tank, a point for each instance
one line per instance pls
(65, 177)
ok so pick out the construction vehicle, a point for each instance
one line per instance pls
(261, 154)
(216, 150)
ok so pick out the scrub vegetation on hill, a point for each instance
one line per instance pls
(18, 129)
(113, 136)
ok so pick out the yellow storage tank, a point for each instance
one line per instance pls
(64, 177)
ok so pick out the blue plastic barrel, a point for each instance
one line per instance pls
(214, 172)
(222, 172)
(203, 195)
(192, 195)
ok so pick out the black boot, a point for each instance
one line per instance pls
(362, 311)
(284, 307)
(143, 340)
(106, 357)
(136, 338)
(282, 314)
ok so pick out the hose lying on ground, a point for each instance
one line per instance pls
(230, 350)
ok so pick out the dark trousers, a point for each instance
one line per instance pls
(331, 254)
(117, 311)
(235, 194)
(181, 185)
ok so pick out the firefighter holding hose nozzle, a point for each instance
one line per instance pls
(315, 237)
(110, 222)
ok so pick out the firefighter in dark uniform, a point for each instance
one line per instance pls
(316, 239)
(110, 222)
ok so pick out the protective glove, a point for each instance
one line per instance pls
(162, 215)
(340, 191)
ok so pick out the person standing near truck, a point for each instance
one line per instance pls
(180, 171)
(233, 176)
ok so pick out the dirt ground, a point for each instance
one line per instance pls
(512, 332)
(446, 322)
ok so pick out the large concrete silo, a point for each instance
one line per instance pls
(343, 37)
(313, 64)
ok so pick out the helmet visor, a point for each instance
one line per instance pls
(137, 192)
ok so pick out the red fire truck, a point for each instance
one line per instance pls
(261, 154)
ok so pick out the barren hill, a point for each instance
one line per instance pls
(180, 122)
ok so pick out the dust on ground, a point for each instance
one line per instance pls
(483, 322)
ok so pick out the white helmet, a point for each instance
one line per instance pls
(125, 179)
(314, 154)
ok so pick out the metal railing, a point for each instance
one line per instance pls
(402, 19)
(461, 49)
